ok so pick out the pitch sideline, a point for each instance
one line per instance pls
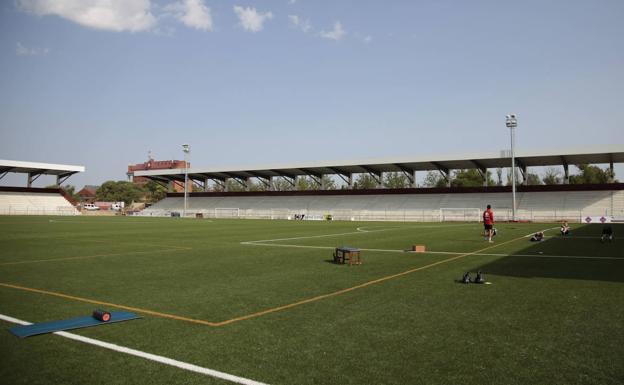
(148, 356)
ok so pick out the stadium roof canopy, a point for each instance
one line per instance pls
(35, 170)
(481, 161)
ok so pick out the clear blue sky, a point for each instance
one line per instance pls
(257, 82)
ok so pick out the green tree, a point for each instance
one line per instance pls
(326, 181)
(69, 190)
(396, 180)
(235, 185)
(365, 181)
(118, 191)
(551, 176)
(306, 183)
(435, 179)
(590, 174)
(281, 184)
(533, 179)
(470, 178)
(258, 186)
(154, 191)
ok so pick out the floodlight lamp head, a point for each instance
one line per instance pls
(186, 148)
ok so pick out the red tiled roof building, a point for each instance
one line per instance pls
(158, 165)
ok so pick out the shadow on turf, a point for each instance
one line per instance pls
(534, 264)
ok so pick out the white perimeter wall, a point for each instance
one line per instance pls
(536, 206)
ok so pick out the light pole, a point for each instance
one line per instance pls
(187, 149)
(511, 121)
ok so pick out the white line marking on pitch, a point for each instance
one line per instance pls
(359, 230)
(147, 356)
(262, 243)
(439, 252)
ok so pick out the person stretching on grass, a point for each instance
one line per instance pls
(488, 223)
(565, 228)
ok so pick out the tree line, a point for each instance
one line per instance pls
(123, 191)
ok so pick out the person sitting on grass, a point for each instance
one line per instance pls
(537, 237)
(607, 234)
(565, 228)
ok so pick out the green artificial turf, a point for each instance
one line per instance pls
(553, 313)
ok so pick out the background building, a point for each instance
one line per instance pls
(151, 164)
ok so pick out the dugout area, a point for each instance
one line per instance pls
(551, 315)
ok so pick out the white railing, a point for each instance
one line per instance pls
(500, 215)
(62, 211)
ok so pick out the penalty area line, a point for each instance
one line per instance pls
(148, 356)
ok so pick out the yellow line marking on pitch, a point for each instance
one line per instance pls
(260, 313)
(96, 302)
(360, 286)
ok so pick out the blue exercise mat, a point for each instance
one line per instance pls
(69, 324)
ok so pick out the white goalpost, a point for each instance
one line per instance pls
(460, 214)
(226, 212)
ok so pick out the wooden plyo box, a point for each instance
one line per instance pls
(418, 248)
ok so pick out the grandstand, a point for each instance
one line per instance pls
(534, 203)
(36, 201)
(426, 205)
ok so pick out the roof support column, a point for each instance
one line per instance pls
(266, 182)
(242, 182)
(378, 178)
(483, 173)
(409, 173)
(376, 175)
(611, 171)
(197, 183)
(447, 175)
(318, 179)
(346, 177)
(523, 171)
(291, 180)
(162, 183)
(445, 172)
(221, 183)
(32, 176)
(566, 174)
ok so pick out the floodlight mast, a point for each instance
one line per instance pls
(511, 121)
(187, 149)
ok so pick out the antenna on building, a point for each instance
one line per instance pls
(149, 155)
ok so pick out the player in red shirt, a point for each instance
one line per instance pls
(488, 223)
